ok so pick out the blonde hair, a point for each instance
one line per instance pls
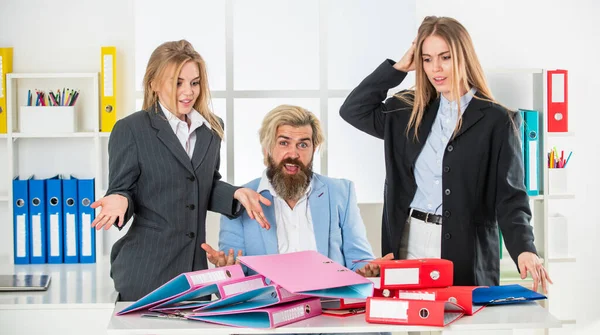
(466, 69)
(168, 59)
(288, 115)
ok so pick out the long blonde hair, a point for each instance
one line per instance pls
(288, 115)
(168, 59)
(466, 69)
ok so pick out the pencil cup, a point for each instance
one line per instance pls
(558, 236)
(557, 181)
(47, 119)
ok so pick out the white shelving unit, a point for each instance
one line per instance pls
(46, 153)
(527, 88)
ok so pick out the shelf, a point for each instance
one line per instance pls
(567, 134)
(568, 322)
(104, 135)
(560, 196)
(3, 197)
(3, 136)
(514, 71)
(562, 259)
(536, 197)
(49, 75)
(55, 135)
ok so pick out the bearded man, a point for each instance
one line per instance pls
(309, 212)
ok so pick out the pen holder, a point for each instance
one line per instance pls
(557, 181)
(558, 236)
(47, 119)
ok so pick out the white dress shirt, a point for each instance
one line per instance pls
(185, 134)
(295, 231)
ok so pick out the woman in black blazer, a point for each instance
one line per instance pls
(454, 171)
(163, 171)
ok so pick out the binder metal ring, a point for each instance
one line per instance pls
(424, 313)
(1, 110)
(227, 273)
(70, 202)
(307, 309)
(54, 201)
(85, 202)
(435, 275)
(35, 201)
(20, 202)
(108, 108)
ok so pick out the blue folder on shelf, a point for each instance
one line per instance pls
(37, 215)
(54, 219)
(505, 294)
(70, 223)
(87, 234)
(21, 223)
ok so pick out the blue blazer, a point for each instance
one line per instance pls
(339, 230)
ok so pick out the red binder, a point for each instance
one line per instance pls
(460, 295)
(415, 273)
(412, 312)
(558, 102)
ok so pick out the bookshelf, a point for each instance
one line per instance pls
(527, 89)
(47, 153)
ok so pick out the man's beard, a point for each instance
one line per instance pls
(289, 186)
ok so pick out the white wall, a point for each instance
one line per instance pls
(550, 34)
(65, 35)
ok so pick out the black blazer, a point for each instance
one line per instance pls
(168, 196)
(482, 176)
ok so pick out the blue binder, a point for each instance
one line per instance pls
(532, 152)
(70, 222)
(87, 234)
(21, 221)
(37, 217)
(506, 294)
(54, 219)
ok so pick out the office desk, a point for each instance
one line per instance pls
(491, 320)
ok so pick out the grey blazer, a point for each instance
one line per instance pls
(168, 196)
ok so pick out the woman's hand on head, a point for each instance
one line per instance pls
(407, 62)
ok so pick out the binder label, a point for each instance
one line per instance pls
(389, 309)
(201, 278)
(86, 234)
(54, 243)
(417, 296)
(1, 79)
(288, 315)
(21, 236)
(558, 87)
(108, 75)
(401, 276)
(70, 238)
(533, 168)
(243, 286)
(36, 235)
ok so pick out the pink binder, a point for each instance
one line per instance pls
(222, 290)
(310, 273)
(268, 317)
(184, 283)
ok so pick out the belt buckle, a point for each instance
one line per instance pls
(426, 217)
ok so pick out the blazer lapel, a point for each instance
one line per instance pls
(166, 135)
(269, 236)
(204, 137)
(472, 114)
(414, 147)
(319, 210)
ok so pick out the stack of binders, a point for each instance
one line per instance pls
(420, 292)
(52, 221)
(290, 294)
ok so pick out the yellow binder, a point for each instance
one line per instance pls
(108, 100)
(6, 62)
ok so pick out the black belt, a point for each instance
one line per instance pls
(426, 217)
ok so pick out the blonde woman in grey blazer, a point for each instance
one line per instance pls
(163, 172)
